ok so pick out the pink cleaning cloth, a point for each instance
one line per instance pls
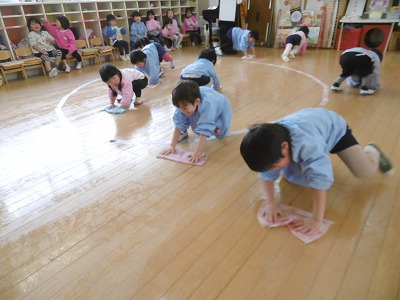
(182, 156)
(290, 216)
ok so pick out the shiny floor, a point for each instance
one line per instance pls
(83, 218)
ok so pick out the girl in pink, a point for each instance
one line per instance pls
(173, 33)
(65, 41)
(191, 26)
(128, 83)
(154, 28)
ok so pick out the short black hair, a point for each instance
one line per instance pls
(136, 14)
(209, 54)
(107, 71)
(110, 17)
(186, 91)
(261, 147)
(141, 43)
(63, 21)
(305, 30)
(32, 20)
(137, 56)
(254, 34)
(377, 52)
(188, 9)
(151, 12)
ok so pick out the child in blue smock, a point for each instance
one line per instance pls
(147, 62)
(298, 146)
(202, 70)
(237, 39)
(202, 108)
(361, 67)
(138, 28)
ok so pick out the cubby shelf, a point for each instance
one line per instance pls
(83, 15)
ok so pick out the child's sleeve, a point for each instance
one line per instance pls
(154, 70)
(123, 30)
(180, 120)
(134, 31)
(50, 28)
(110, 31)
(207, 122)
(158, 25)
(72, 42)
(184, 29)
(214, 76)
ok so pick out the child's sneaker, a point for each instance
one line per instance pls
(218, 51)
(138, 101)
(285, 58)
(291, 55)
(336, 88)
(53, 73)
(78, 66)
(385, 165)
(171, 65)
(366, 92)
(67, 69)
(184, 135)
(193, 44)
(161, 73)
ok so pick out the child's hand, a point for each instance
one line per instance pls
(271, 211)
(168, 151)
(195, 157)
(308, 225)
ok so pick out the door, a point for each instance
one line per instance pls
(259, 17)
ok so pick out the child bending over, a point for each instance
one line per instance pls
(115, 33)
(42, 44)
(202, 70)
(65, 41)
(361, 68)
(202, 108)
(146, 61)
(125, 82)
(295, 42)
(298, 146)
(162, 54)
(238, 39)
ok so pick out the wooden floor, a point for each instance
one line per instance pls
(83, 218)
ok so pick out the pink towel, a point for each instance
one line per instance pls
(291, 214)
(182, 156)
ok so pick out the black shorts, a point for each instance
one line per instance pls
(347, 141)
(293, 39)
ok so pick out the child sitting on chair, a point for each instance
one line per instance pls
(115, 33)
(169, 14)
(295, 42)
(128, 83)
(202, 108)
(154, 29)
(65, 41)
(202, 70)
(138, 28)
(191, 26)
(298, 146)
(42, 44)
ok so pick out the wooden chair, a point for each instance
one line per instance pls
(10, 66)
(186, 38)
(86, 53)
(30, 61)
(102, 50)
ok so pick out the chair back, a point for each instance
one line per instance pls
(23, 52)
(81, 44)
(5, 55)
(96, 42)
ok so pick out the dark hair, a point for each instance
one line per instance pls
(188, 9)
(151, 12)
(209, 54)
(261, 147)
(166, 13)
(141, 43)
(32, 20)
(107, 71)
(110, 17)
(254, 34)
(305, 30)
(186, 91)
(63, 21)
(167, 21)
(136, 14)
(377, 52)
(137, 56)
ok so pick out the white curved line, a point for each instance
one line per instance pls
(325, 87)
(65, 98)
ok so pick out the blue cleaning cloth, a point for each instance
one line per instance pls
(114, 110)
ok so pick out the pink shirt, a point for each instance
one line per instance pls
(189, 24)
(166, 32)
(64, 38)
(153, 25)
(128, 75)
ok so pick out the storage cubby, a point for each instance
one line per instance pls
(82, 15)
